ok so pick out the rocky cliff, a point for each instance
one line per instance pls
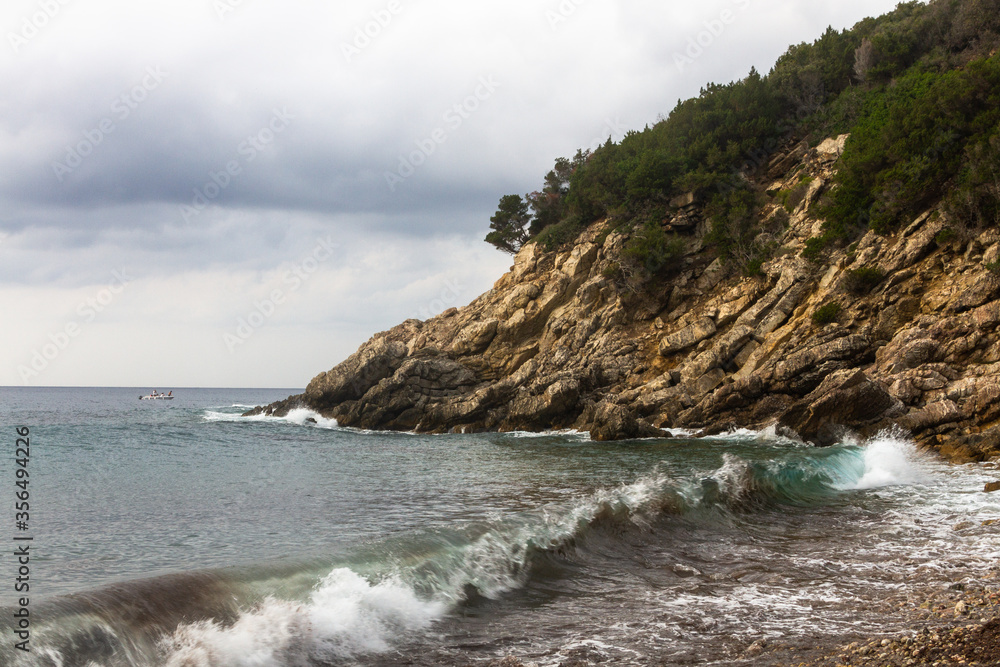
(563, 340)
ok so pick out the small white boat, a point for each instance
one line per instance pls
(156, 396)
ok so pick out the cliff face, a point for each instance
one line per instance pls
(563, 341)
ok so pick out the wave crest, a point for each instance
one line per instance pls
(345, 616)
(408, 584)
(298, 416)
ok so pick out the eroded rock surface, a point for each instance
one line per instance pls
(562, 341)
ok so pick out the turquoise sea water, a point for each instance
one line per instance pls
(179, 533)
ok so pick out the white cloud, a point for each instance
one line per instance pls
(244, 327)
(600, 68)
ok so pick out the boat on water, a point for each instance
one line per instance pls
(156, 396)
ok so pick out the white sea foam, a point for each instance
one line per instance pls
(680, 432)
(307, 417)
(565, 433)
(891, 459)
(767, 607)
(298, 416)
(767, 435)
(346, 616)
(268, 637)
(214, 416)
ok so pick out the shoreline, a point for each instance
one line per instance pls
(949, 627)
(938, 624)
(952, 626)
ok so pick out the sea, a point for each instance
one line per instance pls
(179, 533)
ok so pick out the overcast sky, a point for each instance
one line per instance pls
(238, 193)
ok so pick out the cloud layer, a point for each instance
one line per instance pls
(203, 145)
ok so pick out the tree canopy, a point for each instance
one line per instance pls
(509, 224)
(916, 88)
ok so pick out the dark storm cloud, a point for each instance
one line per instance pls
(386, 134)
(429, 111)
(157, 145)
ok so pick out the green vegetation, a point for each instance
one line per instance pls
(565, 231)
(508, 224)
(737, 231)
(814, 248)
(650, 251)
(612, 271)
(909, 145)
(918, 89)
(826, 313)
(993, 267)
(790, 199)
(862, 281)
(945, 236)
(976, 196)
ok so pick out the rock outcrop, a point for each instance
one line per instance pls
(563, 340)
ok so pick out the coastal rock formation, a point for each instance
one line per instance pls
(564, 340)
(616, 422)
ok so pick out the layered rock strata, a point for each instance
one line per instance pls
(563, 340)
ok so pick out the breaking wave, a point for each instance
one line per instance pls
(400, 587)
(298, 416)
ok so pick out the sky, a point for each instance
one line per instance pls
(238, 193)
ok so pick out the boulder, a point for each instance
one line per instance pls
(722, 351)
(991, 487)
(931, 415)
(556, 404)
(848, 351)
(973, 447)
(919, 240)
(988, 315)
(846, 400)
(680, 201)
(832, 146)
(909, 386)
(278, 408)
(783, 162)
(580, 259)
(616, 422)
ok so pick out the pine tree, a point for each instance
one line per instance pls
(508, 224)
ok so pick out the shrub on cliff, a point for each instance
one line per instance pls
(815, 248)
(790, 199)
(863, 280)
(698, 147)
(739, 234)
(512, 224)
(909, 144)
(548, 205)
(826, 313)
(976, 198)
(557, 235)
(651, 251)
